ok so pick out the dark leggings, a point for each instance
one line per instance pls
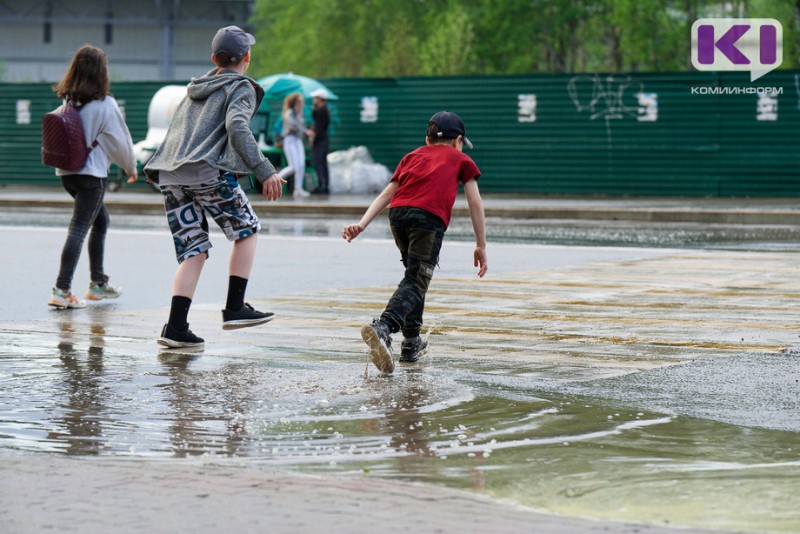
(88, 213)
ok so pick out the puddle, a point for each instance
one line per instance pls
(644, 387)
(474, 425)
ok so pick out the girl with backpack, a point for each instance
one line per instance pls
(87, 84)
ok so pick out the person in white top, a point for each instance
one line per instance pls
(86, 82)
(293, 132)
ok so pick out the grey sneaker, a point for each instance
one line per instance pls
(376, 336)
(412, 348)
(102, 290)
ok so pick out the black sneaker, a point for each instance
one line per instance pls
(376, 335)
(412, 348)
(247, 316)
(174, 338)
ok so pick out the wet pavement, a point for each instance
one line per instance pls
(764, 223)
(141, 199)
(640, 384)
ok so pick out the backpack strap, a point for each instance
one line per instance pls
(74, 104)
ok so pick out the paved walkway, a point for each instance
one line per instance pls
(100, 496)
(683, 304)
(710, 306)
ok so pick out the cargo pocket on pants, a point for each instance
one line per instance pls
(421, 244)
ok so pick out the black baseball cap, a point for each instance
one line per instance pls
(450, 125)
(232, 40)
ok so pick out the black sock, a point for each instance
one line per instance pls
(179, 312)
(236, 288)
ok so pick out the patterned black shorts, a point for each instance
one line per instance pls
(223, 200)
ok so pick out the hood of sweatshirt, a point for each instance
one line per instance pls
(219, 79)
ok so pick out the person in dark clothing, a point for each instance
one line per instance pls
(319, 148)
(420, 197)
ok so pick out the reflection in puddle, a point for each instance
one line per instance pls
(464, 427)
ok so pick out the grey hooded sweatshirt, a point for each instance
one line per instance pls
(212, 125)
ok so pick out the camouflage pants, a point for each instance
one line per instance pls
(418, 234)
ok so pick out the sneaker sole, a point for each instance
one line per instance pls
(59, 306)
(88, 296)
(244, 323)
(380, 354)
(171, 343)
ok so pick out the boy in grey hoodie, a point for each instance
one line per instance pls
(209, 145)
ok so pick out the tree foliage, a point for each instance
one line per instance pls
(378, 38)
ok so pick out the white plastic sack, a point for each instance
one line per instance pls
(353, 171)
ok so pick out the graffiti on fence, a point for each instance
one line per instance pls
(612, 98)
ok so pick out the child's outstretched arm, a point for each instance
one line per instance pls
(351, 231)
(475, 204)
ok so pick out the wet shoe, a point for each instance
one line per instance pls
(376, 336)
(245, 317)
(412, 348)
(63, 300)
(174, 338)
(102, 290)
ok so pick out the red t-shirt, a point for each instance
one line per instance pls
(428, 178)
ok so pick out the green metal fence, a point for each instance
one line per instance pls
(693, 134)
(639, 134)
(21, 110)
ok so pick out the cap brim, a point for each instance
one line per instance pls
(250, 39)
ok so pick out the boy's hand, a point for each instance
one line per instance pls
(351, 231)
(272, 187)
(133, 177)
(480, 260)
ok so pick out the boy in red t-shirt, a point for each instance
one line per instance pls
(420, 196)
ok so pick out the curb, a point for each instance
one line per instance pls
(655, 215)
(742, 216)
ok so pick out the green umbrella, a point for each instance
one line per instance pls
(278, 86)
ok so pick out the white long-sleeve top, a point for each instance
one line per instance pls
(103, 121)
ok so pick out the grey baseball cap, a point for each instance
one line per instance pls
(232, 40)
